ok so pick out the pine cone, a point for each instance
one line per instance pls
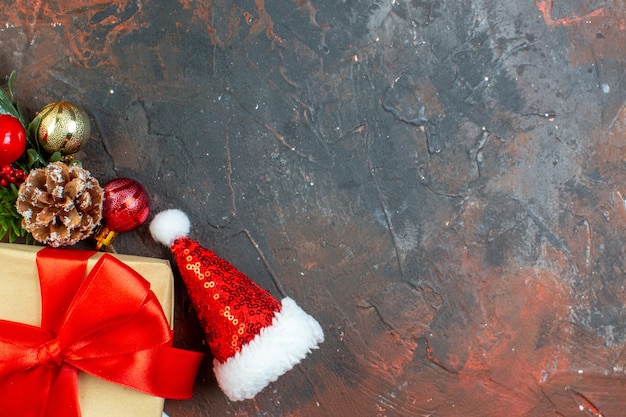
(60, 204)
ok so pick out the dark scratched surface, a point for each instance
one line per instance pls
(440, 183)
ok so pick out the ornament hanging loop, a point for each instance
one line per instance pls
(104, 237)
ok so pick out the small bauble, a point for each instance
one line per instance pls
(63, 127)
(126, 207)
(126, 204)
(12, 139)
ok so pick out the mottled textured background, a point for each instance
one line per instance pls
(440, 183)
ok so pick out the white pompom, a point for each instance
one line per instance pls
(169, 225)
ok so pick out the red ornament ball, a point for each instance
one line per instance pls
(12, 139)
(126, 205)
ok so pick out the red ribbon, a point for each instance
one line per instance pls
(108, 324)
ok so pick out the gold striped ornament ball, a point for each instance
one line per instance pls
(63, 127)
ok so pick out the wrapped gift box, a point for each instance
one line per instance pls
(20, 301)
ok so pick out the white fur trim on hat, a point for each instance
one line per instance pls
(274, 351)
(169, 225)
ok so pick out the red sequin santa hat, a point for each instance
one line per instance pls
(254, 337)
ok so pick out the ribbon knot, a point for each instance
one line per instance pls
(50, 353)
(107, 324)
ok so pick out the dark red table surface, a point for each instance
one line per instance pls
(440, 183)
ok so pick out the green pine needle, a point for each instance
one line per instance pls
(10, 219)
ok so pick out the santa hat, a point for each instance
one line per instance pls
(254, 337)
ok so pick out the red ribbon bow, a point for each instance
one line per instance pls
(108, 324)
